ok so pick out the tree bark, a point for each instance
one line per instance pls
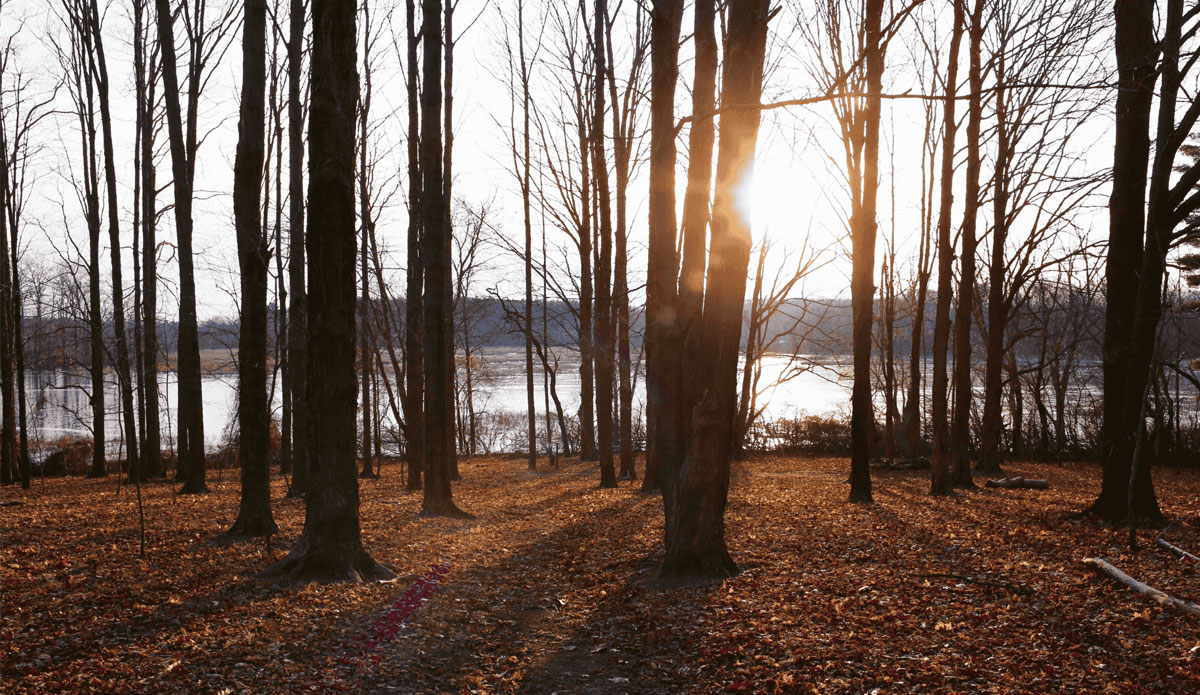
(190, 423)
(298, 308)
(862, 286)
(1137, 58)
(439, 327)
(330, 548)
(695, 522)
(414, 325)
(997, 307)
(941, 483)
(146, 83)
(960, 432)
(662, 265)
(604, 325)
(254, 256)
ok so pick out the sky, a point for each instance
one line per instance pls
(798, 197)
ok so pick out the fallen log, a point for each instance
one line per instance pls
(1017, 483)
(1180, 552)
(1162, 598)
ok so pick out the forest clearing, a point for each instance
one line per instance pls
(553, 588)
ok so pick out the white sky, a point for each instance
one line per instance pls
(798, 194)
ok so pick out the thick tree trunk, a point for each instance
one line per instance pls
(254, 416)
(1137, 55)
(960, 432)
(662, 268)
(695, 523)
(330, 548)
(941, 483)
(298, 308)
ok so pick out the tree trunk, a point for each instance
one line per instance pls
(190, 423)
(695, 523)
(330, 548)
(587, 384)
(439, 326)
(862, 287)
(997, 307)
(8, 441)
(414, 326)
(146, 77)
(254, 256)
(941, 483)
(1137, 54)
(525, 208)
(124, 377)
(662, 268)
(366, 355)
(960, 433)
(604, 325)
(298, 308)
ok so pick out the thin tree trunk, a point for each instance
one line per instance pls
(146, 83)
(414, 323)
(124, 377)
(604, 324)
(254, 256)
(298, 308)
(941, 483)
(960, 431)
(190, 424)
(997, 307)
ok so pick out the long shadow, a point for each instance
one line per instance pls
(545, 566)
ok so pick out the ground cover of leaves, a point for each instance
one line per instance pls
(552, 589)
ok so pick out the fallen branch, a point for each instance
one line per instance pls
(1016, 483)
(1162, 598)
(981, 582)
(1180, 552)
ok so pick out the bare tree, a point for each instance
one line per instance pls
(254, 415)
(438, 318)
(960, 427)
(662, 265)
(940, 482)
(330, 548)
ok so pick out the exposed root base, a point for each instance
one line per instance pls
(243, 530)
(692, 571)
(861, 498)
(189, 489)
(303, 567)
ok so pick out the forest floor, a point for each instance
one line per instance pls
(551, 590)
